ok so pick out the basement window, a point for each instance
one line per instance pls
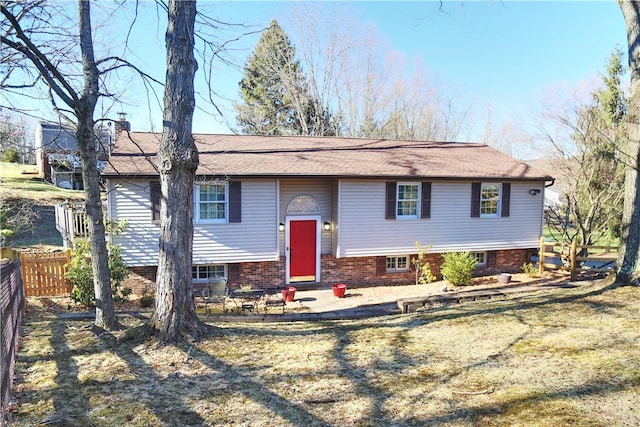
(481, 258)
(202, 273)
(396, 264)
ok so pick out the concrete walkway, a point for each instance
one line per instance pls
(321, 304)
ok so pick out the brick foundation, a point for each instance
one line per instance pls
(354, 272)
(265, 274)
(141, 278)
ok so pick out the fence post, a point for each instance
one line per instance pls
(572, 258)
(541, 256)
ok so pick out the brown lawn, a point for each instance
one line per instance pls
(567, 357)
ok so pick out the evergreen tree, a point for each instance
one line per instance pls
(265, 87)
(591, 165)
(275, 94)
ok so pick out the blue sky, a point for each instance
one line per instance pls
(502, 54)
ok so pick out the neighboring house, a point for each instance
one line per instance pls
(57, 157)
(56, 148)
(312, 211)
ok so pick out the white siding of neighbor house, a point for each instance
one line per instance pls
(320, 191)
(364, 231)
(253, 239)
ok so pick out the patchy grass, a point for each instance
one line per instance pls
(570, 357)
(21, 182)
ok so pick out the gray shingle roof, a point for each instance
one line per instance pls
(57, 138)
(280, 156)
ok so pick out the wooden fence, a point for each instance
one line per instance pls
(574, 257)
(43, 273)
(11, 311)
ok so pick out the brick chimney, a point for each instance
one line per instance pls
(121, 125)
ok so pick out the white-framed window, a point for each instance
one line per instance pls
(408, 200)
(481, 258)
(210, 200)
(202, 273)
(397, 263)
(490, 199)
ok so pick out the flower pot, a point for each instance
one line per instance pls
(504, 277)
(289, 293)
(339, 290)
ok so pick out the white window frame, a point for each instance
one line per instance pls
(498, 199)
(196, 203)
(417, 200)
(481, 258)
(394, 268)
(204, 277)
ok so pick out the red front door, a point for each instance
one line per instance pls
(302, 250)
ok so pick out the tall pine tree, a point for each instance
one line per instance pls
(266, 86)
(275, 95)
(590, 165)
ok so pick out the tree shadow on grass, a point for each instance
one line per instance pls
(549, 400)
(516, 304)
(258, 392)
(379, 412)
(537, 405)
(69, 399)
(178, 412)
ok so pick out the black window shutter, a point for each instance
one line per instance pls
(381, 265)
(506, 199)
(475, 199)
(233, 270)
(425, 212)
(491, 258)
(155, 195)
(391, 200)
(235, 201)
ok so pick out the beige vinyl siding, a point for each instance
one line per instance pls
(335, 211)
(364, 231)
(253, 239)
(320, 191)
(129, 200)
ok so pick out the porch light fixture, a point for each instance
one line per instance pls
(281, 226)
(534, 191)
(326, 226)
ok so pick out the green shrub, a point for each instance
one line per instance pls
(10, 155)
(457, 267)
(422, 267)
(148, 298)
(529, 269)
(80, 274)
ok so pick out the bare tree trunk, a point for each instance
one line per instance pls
(174, 317)
(629, 261)
(84, 108)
